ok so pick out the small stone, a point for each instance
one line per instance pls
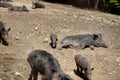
(45, 40)
(50, 18)
(17, 38)
(113, 21)
(118, 64)
(75, 16)
(110, 73)
(18, 74)
(65, 19)
(65, 13)
(105, 58)
(118, 59)
(36, 28)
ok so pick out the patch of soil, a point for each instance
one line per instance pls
(31, 30)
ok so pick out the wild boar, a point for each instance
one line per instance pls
(48, 66)
(83, 66)
(3, 33)
(54, 39)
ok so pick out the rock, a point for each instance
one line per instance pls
(65, 12)
(45, 40)
(17, 38)
(36, 28)
(110, 73)
(18, 74)
(65, 19)
(105, 58)
(118, 64)
(75, 16)
(118, 59)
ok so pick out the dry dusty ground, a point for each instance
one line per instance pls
(64, 20)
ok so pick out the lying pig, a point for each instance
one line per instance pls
(83, 41)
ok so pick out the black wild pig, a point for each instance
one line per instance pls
(83, 66)
(3, 33)
(18, 8)
(43, 62)
(5, 5)
(83, 41)
(53, 38)
(37, 5)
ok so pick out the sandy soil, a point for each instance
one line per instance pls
(64, 20)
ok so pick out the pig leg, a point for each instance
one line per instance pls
(63, 45)
(30, 78)
(77, 67)
(82, 45)
(33, 74)
(81, 69)
(43, 77)
(47, 75)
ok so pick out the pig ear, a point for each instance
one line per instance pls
(92, 68)
(85, 68)
(95, 36)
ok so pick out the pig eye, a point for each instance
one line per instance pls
(35, 56)
(3, 29)
(85, 68)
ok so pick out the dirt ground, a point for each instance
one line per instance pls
(31, 30)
